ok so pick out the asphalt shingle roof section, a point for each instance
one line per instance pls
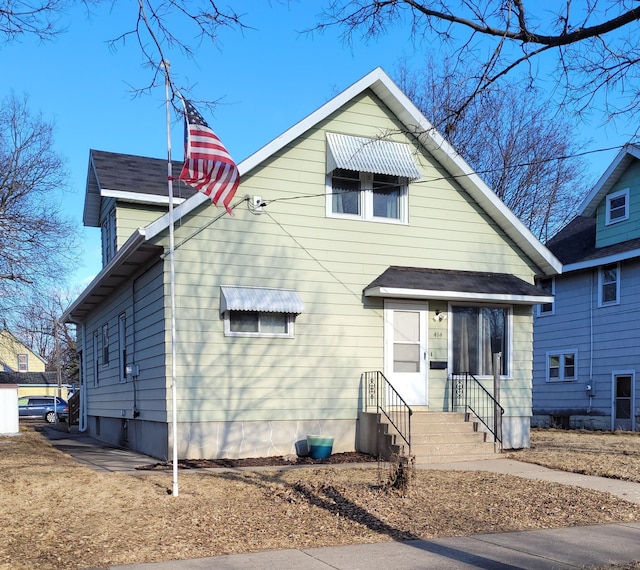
(458, 281)
(47, 378)
(137, 174)
(576, 243)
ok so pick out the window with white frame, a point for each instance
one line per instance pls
(617, 206)
(96, 359)
(562, 366)
(609, 285)
(122, 347)
(259, 311)
(548, 285)
(23, 362)
(368, 196)
(105, 345)
(477, 334)
(257, 323)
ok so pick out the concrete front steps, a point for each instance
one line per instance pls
(439, 437)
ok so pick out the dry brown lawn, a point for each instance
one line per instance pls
(56, 513)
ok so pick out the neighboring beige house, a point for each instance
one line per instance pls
(365, 243)
(16, 357)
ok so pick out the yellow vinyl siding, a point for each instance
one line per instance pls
(10, 348)
(130, 217)
(328, 261)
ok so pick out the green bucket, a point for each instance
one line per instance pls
(319, 446)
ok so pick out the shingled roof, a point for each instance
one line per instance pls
(128, 174)
(576, 243)
(31, 378)
(449, 284)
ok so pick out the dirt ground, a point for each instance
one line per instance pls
(57, 514)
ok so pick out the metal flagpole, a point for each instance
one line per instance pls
(174, 420)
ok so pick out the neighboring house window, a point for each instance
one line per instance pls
(609, 285)
(122, 346)
(562, 366)
(368, 196)
(105, 345)
(548, 285)
(109, 237)
(254, 323)
(617, 206)
(477, 334)
(23, 362)
(96, 360)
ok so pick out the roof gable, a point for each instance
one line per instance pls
(416, 124)
(603, 186)
(131, 178)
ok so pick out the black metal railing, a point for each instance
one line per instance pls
(381, 396)
(469, 394)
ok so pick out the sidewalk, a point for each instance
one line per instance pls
(574, 547)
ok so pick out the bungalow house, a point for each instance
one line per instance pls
(361, 246)
(586, 347)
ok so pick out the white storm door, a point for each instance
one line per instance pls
(405, 344)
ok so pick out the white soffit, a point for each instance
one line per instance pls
(400, 293)
(260, 299)
(377, 156)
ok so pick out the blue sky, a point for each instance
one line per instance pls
(266, 78)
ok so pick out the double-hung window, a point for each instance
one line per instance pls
(617, 206)
(23, 362)
(609, 285)
(368, 179)
(478, 333)
(562, 366)
(548, 285)
(368, 196)
(105, 345)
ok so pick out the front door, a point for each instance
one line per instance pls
(405, 334)
(623, 402)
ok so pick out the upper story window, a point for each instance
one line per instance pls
(617, 206)
(609, 285)
(548, 285)
(368, 178)
(109, 237)
(368, 196)
(23, 362)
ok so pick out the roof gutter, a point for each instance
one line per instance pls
(122, 255)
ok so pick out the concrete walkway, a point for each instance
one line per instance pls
(574, 547)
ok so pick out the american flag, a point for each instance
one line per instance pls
(208, 167)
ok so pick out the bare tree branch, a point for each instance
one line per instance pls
(595, 43)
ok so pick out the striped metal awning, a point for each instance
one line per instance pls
(370, 155)
(260, 299)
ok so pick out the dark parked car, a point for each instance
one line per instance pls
(43, 407)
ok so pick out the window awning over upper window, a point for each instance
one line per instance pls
(260, 299)
(370, 155)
